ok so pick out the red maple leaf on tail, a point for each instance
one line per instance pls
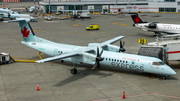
(136, 19)
(25, 33)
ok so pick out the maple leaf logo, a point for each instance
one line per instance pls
(136, 19)
(25, 33)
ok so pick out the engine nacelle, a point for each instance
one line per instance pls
(112, 48)
(152, 25)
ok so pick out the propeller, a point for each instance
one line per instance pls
(9, 15)
(98, 58)
(121, 49)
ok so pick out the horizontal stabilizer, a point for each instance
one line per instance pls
(14, 20)
(27, 19)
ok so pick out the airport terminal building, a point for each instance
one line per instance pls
(112, 5)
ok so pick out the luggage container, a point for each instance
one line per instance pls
(5, 58)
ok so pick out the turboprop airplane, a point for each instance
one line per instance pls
(110, 55)
(155, 27)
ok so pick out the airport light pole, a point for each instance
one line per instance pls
(116, 6)
(49, 7)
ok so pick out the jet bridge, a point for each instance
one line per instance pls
(154, 51)
(165, 48)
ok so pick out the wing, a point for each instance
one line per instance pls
(58, 57)
(111, 41)
(84, 51)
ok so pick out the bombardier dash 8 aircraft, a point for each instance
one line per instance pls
(155, 27)
(110, 55)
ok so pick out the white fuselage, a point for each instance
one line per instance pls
(162, 28)
(113, 59)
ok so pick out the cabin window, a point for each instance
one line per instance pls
(123, 61)
(109, 59)
(126, 62)
(132, 62)
(120, 60)
(114, 59)
(117, 60)
(106, 58)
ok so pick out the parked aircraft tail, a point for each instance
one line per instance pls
(25, 29)
(136, 18)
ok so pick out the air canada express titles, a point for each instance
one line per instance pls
(128, 66)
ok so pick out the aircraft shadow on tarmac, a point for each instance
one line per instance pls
(81, 74)
(88, 71)
(146, 35)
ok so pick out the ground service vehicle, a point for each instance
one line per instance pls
(93, 27)
(5, 58)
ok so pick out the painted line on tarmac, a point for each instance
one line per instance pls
(114, 23)
(35, 30)
(123, 24)
(136, 96)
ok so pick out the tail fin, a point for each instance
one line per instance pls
(136, 18)
(25, 29)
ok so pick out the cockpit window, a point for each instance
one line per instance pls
(158, 63)
(161, 63)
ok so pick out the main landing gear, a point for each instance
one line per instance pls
(74, 70)
(164, 77)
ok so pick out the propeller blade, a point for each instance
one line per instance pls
(123, 43)
(95, 65)
(9, 15)
(101, 53)
(97, 52)
(98, 65)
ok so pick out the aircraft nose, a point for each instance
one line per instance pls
(172, 72)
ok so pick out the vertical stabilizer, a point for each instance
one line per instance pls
(26, 31)
(136, 18)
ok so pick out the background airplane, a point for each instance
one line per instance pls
(8, 13)
(155, 27)
(32, 8)
(110, 55)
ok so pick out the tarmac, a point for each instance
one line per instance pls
(18, 81)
